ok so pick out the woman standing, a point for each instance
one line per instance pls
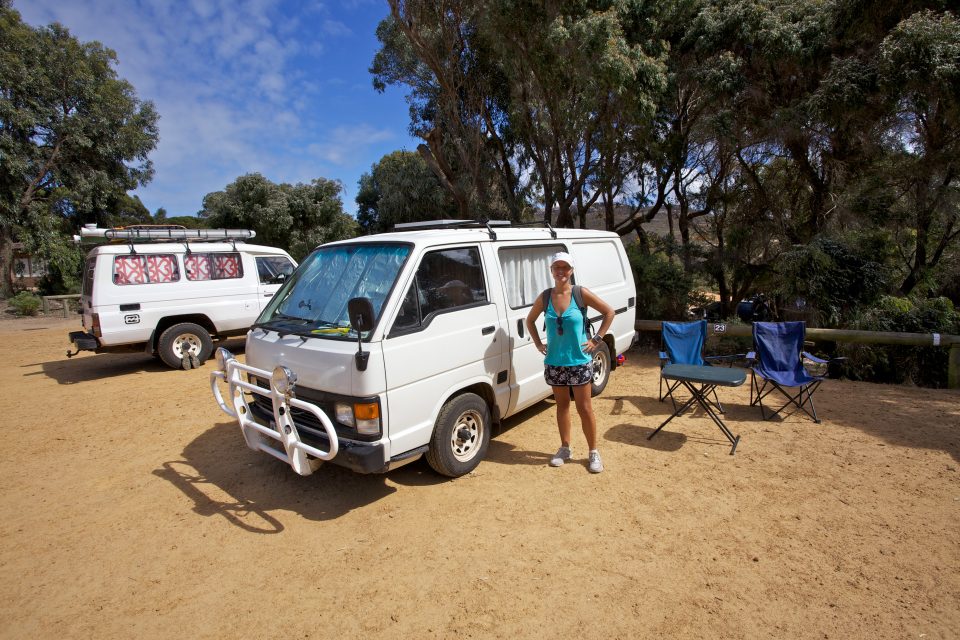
(569, 354)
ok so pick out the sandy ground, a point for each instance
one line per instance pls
(131, 508)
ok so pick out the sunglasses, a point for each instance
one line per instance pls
(559, 326)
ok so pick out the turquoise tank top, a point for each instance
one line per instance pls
(565, 350)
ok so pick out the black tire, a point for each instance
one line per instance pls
(601, 369)
(184, 339)
(461, 436)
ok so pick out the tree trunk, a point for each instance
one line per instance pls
(6, 260)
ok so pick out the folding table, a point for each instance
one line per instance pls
(700, 381)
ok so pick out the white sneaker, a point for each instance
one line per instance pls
(561, 456)
(596, 465)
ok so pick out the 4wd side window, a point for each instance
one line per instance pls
(145, 269)
(273, 269)
(446, 280)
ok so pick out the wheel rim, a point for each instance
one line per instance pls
(187, 343)
(467, 435)
(599, 368)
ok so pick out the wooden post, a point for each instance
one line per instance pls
(953, 367)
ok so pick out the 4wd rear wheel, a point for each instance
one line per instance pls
(601, 369)
(183, 340)
(461, 436)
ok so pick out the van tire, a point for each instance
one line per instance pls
(461, 436)
(601, 369)
(184, 339)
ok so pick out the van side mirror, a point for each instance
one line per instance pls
(361, 314)
(360, 311)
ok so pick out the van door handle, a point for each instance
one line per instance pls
(488, 330)
(520, 327)
(268, 295)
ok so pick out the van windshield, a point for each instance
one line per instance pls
(314, 301)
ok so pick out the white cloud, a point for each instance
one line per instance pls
(241, 86)
(346, 144)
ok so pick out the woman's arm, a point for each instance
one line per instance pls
(531, 323)
(592, 300)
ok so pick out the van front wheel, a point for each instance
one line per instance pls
(461, 436)
(183, 340)
(601, 369)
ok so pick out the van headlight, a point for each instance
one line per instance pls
(362, 416)
(283, 380)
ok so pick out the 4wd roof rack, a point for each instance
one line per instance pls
(168, 233)
(163, 233)
(469, 224)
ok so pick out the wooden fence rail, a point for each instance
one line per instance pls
(64, 300)
(849, 335)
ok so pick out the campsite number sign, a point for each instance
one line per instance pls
(719, 328)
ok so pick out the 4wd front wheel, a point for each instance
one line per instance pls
(601, 369)
(461, 436)
(182, 341)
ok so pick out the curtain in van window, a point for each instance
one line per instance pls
(526, 272)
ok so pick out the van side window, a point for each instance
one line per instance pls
(273, 269)
(446, 279)
(145, 269)
(213, 266)
(526, 272)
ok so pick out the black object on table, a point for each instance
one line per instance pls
(700, 381)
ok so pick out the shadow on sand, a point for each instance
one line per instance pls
(90, 367)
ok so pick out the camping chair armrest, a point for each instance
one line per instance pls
(812, 358)
(664, 358)
(751, 356)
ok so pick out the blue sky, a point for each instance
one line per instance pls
(278, 87)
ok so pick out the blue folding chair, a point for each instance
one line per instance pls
(682, 343)
(778, 362)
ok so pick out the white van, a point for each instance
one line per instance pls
(171, 292)
(383, 348)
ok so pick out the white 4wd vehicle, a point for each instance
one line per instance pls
(384, 348)
(171, 292)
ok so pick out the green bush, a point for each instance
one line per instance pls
(923, 366)
(25, 303)
(663, 288)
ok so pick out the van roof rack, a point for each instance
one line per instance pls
(468, 224)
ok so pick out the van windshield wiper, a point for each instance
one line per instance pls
(282, 318)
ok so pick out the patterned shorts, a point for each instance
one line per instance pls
(568, 376)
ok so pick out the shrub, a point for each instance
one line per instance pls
(663, 288)
(25, 303)
(923, 366)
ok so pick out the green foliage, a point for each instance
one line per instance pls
(74, 137)
(663, 289)
(25, 303)
(294, 217)
(831, 276)
(923, 366)
(401, 188)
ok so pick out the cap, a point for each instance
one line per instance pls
(561, 256)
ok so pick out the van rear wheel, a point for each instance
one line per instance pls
(601, 369)
(461, 436)
(182, 341)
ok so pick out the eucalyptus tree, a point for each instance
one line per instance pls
(294, 217)
(401, 188)
(73, 136)
(440, 52)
